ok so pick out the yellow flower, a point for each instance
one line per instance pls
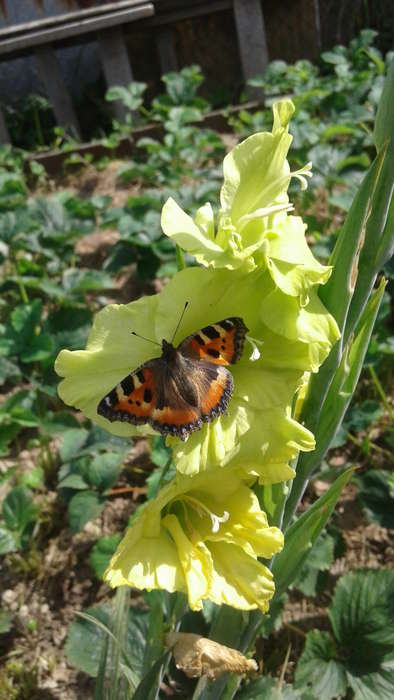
(202, 536)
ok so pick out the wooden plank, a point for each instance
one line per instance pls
(50, 72)
(65, 17)
(252, 41)
(165, 45)
(4, 135)
(77, 28)
(176, 14)
(116, 64)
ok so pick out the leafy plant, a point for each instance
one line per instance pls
(377, 496)
(90, 468)
(358, 655)
(19, 515)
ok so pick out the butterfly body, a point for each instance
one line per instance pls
(184, 387)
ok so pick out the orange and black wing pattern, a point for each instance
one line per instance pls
(132, 400)
(178, 392)
(220, 343)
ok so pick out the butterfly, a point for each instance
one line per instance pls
(185, 387)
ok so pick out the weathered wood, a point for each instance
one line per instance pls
(165, 45)
(116, 64)
(177, 12)
(50, 72)
(252, 41)
(4, 135)
(24, 27)
(73, 29)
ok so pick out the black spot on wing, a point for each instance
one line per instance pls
(148, 396)
(127, 385)
(199, 340)
(213, 353)
(211, 332)
(140, 376)
(113, 397)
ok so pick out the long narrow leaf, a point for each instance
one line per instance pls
(105, 629)
(301, 536)
(149, 687)
(337, 401)
(364, 245)
(383, 130)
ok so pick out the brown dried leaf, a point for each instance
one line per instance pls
(197, 656)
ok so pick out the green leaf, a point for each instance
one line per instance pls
(377, 497)
(150, 684)
(7, 434)
(362, 609)
(18, 509)
(154, 640)
(9, 371)
(374, 685)
(102, 552)
(84, 506)
(34, 478)
(58, 423)
(73, 441)
(85, 641)
(40, 348)
(8, 542)
(269, 688)
(301, 536)
(130, 96)
(319, 669)
(160, 452)
(336, 399)
(24, 320)
(385, 115)
(319, 560)
(103, 470)
(363, 415)
(73, 481)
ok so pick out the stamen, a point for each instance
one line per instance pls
(256, 354)
(265, 211)
(202, 511)
(217, 519)
(302, 173)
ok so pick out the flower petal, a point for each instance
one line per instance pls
(238, 579)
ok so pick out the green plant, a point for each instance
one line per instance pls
(358, 655)
(90, 467)
(19, 515)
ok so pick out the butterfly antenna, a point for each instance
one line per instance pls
(148, 340)
(180, 320)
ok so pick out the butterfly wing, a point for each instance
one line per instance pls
(132, 400)
(151, 395)
(220, 343)
(177, 395)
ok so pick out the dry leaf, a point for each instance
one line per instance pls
(198, 656)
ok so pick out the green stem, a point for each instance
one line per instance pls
(180, 260)
(380, 391)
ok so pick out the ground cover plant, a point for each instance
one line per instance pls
(71, 487)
